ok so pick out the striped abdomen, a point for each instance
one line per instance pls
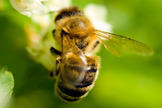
(70, 93)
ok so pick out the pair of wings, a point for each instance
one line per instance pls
(117, 45)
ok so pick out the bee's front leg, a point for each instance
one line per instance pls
(55, 51)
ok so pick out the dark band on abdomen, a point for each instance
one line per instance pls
(84, 85)
(88, 78)
(71, 92)
(93, 70)
(65, 98)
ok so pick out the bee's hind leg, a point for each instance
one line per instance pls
(57, 54)
(55, 72)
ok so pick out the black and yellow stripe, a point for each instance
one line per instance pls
(71, 95)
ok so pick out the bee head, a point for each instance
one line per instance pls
(73, 21)
(68, 12)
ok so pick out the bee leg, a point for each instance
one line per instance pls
(55, 51)
(53, 32)
(51, 74)
(54, 74)
(58, 61)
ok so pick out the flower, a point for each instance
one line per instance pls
(97, 15)
(38, 7)
(38, 48)
(55, 5)
(28, 7)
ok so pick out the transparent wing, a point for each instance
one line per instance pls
(119, 45)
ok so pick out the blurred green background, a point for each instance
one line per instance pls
(124, 82)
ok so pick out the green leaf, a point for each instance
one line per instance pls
(6, 87)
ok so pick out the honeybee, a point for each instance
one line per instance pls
(76, 72)
(77, 64)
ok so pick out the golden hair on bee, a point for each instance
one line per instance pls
(76, 78)
(73, 21)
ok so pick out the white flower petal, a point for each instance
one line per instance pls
(38, 7)
(102, 25)
(43, 20)
(97, 14)
(55, 5)
(28, 7)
